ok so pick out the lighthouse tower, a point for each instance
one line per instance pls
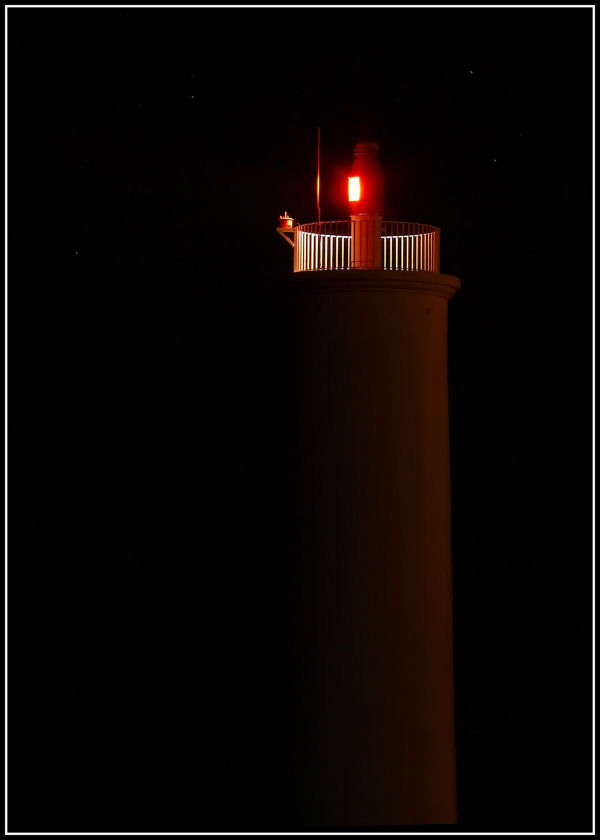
(373, 693)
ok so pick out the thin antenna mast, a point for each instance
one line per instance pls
(318, 172)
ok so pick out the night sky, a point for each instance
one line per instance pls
(151, 152)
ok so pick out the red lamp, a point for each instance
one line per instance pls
(365, 184)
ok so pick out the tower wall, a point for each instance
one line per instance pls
(372, 618)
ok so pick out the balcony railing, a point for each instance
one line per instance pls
(405, 246)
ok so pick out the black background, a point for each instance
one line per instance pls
(150, 154)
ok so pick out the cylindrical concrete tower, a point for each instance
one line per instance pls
(373, 695)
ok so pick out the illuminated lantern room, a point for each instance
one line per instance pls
(365, 240)
(365, 184)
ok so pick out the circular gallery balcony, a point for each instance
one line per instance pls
(372, 243)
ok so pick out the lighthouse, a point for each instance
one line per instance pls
(372, 652)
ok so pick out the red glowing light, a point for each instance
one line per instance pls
(354, 189)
